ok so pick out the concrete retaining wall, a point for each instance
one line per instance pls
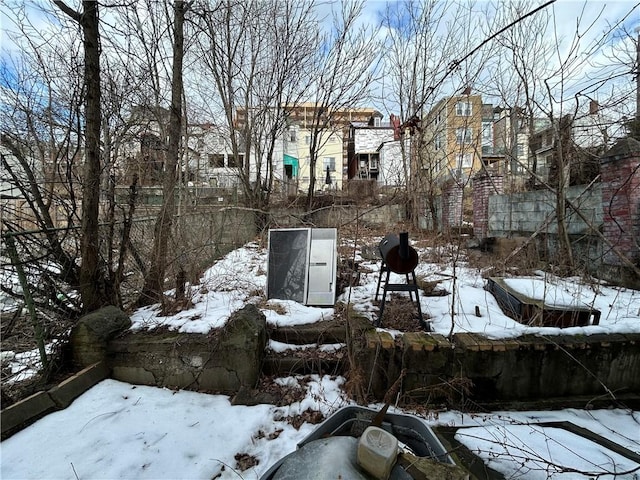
(522, 369)
(337, 215)
(222, 362)
(467, 368)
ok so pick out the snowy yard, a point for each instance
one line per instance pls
(117, 430)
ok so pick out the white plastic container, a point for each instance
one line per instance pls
(377, 452)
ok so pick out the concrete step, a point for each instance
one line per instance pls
(321, 354)
(325, 332)
(313, 360)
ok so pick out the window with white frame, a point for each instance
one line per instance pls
(292, 135)
(307, 139)
(437, 142)
(464, 109)
(330, 162)
(464, 135)
(465, 160)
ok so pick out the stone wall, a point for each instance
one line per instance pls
(222, 362)
(523, 369)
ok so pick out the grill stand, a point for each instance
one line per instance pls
(411, 286)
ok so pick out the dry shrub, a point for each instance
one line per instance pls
(506, 256)
(286, 394)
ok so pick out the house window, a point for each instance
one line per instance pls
(437, 142)
(464, 135)
(519, 150)
(487, 133)
(376, 121)
(292, 135)
(465, 160)
(307, 139)
(234, 162)
(330, 162)
(464, 109)
(216, 160)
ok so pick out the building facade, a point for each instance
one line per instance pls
(452, 139)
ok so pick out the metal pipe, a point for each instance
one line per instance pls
(404, 245)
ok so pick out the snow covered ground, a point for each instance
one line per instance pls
(116, 430)
(241, 277)
(122, 431)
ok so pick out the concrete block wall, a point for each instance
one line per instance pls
(522, 214)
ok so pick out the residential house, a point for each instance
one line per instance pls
(332, 147)
(15, 208)
(452, 139)
(143, 151)
(210, 161)
(578, 139)
(511, 144)
(374, 152)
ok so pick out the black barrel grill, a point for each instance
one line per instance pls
(401, 258)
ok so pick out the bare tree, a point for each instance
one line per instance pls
(154, 280)
(346, 65)
(421, 67)
(52, 128)
(95, 290)
(554, 80)
(258, 55)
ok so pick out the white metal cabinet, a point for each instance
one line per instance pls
(302, 265)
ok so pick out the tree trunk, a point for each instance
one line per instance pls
(154, 281)
(90, 280)
(565, 255)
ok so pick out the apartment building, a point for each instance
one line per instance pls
(452, 139)
(332, 161)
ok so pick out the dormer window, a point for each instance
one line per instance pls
(376, 121)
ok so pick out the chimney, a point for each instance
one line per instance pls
(467, 91)
(593, 107)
